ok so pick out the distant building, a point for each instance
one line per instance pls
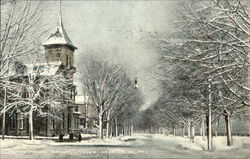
(88, 117)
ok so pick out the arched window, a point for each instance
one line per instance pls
(53, 124)
(69, 62)
(67, 59)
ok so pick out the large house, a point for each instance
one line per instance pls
(59, 55)
(88, 112)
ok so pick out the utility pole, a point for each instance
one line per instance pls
(4, 107)
(86, 100)
(86, 115)
(209, 133)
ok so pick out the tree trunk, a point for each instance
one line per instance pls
(188, 129)
(192, 133)
(183, 131)
(132, 129)
(228, 129)
(203, 128)
(31, 132)
(107, 127)
(209, 131)
(124, 130)
(4, 106)
(111, 131)
(86, 116)
(192, 130)
(129, 129)
(100, 125)
(116, 128)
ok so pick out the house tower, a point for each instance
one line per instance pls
(59, 48)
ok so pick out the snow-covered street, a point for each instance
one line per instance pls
(138, 146)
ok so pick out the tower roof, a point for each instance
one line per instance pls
(60, 37)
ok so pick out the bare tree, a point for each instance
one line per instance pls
(20, 35)
(125, 112)
(40, 91)
(107, 84)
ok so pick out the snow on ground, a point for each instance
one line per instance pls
(219, 142)
(137, 146)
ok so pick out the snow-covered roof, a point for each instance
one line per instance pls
(43, 68)
(77, 112)
(79, 100)
(59, 37)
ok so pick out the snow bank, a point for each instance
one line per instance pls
(219, 143)
(238, 142)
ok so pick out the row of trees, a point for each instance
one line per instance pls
(113, 92)
(203, 67)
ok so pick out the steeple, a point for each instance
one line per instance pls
(60, 37)
(60, 22)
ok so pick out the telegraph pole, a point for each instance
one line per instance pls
(209, 133)
(4, 107)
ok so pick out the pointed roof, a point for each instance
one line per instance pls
(60, 36)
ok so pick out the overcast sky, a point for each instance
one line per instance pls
(123, 29)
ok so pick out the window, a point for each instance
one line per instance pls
(21, 121)
(72, 93)
(53, 124)
(95, 122)
(35, 68)
(76, 123)
(82, 121)
(67, 59)
(21, 124)
(58, 52)
(49, 50)
(13, 121)
(63, 118)
(76, 108)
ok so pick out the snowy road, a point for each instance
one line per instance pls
(139, 146)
